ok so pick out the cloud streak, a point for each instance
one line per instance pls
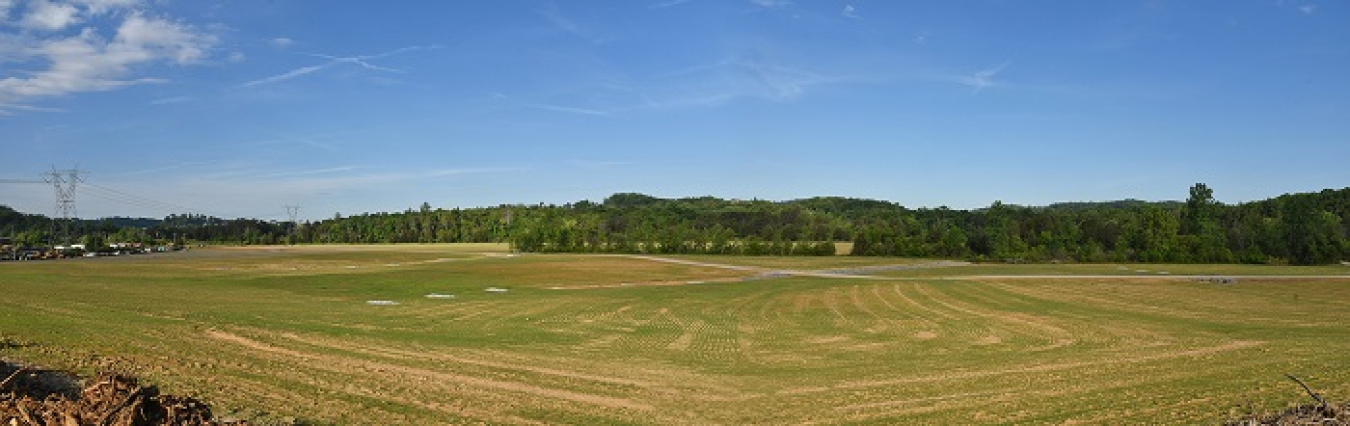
(171, 100)
(983, 79)
(771, 4)
(361, 61)
(567, 109)
(665, 4)
(698, 86)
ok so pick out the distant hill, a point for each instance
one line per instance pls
(1128, 203)
(131, 222)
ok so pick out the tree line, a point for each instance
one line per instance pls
(1306, 228)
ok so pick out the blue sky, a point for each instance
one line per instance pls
(238, 108)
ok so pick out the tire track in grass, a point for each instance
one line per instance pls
(1034, 368)
(829, 299)
(1099, 392)
(880, 297)
(928, 326)
(1057, 336)
(1062, 390)
(400, 354)
(346, 364)
(1097, 301)
(855, 296)
(920, 306)
(332, 380)
(686, 337)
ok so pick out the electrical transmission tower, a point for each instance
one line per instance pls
(293, 211)
(64, 181)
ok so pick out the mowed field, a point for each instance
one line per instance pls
(591, 339)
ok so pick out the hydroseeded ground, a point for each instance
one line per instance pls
(615, 339)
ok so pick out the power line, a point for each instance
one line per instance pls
(64, 181)
(139, 201)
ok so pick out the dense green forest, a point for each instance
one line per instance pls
(1307, 228)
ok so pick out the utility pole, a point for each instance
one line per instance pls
(293, 211)
(64, 181)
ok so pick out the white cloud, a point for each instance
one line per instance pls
(921, 38)
(236, 57)
(1307, 9)
(982, 79)
(90, 62)
(850, 11)
(282, 42)
(5, 5)
(50, 16)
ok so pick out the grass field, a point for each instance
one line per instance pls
(614, 339)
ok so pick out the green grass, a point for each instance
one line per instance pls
(1128, 269)
(288, 331)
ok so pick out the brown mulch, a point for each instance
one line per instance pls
(1311, 414)
(55, 398)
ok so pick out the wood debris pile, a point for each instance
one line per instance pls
(1309, 414)
(53, 398)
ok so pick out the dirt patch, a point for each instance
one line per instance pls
(1321, 413)
(988, 340)
(44, 397)
(1311, 414)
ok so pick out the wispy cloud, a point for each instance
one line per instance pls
(334, 61)
(777, 82)
(312, 181)
(592, 164)
(171, 100)
(850, 12)
(162, 168)
(90, 61)
(5, 109)
(566, 24)
(665, 4)
(921, 38)
(698, 86)
(567, 109)
(50, 16)
(300, 140)
(281, 42)
(1307, 9)
(288, 75)
(983, 79)
(771, 3)
(310, 172)
(240, 190)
